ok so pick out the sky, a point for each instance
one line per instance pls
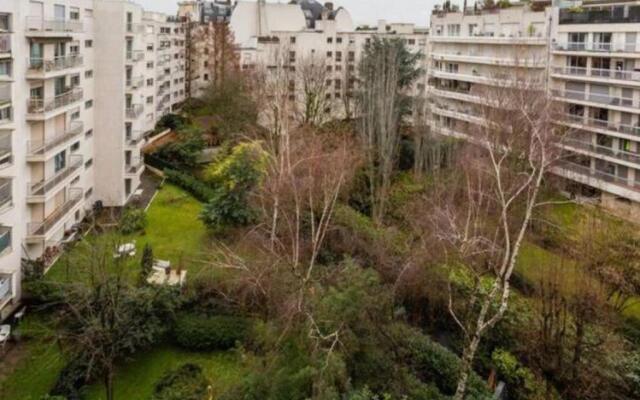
(362, 11)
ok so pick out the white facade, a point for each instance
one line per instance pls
(68, 82)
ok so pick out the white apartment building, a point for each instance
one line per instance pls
(76, 98)
(272, 35)
(588, 55)
(595, 73)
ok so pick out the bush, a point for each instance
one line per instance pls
(185, 151)
(521, 382)
(70, 380)
(133, 220)
(187, 382)
(191, 184)
(171, 121)
(196, 332)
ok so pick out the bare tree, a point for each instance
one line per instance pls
(214, 46)
(314, 79)
(483, 226)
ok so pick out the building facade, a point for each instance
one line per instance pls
(79, 84)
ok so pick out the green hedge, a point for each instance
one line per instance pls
(187, 382)
(191, 184)
(196, 332)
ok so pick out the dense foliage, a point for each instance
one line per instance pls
(198, 332)
(186, 382)
(133, 220)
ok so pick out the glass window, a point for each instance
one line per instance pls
(60, 161)
(59, 12)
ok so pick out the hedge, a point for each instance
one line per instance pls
(190, 183)
(196, 332)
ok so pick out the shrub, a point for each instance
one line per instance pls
(70, 380)
(133, 220)
(233, 179)
(190, 183)
(196, 332)
(171, 121)
(146, 264)
(521, 382)
(185, 151)
(187, 382)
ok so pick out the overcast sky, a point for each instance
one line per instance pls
(362, 11)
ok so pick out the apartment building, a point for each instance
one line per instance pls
(74, 105)
(475, 50)
(595, 74)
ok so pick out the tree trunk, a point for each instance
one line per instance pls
(108, 384)
(465, 367)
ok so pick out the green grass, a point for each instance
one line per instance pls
(137, 379)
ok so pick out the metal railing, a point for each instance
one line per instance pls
(594, 97)
(6, 113)
(45, 186)
(135, 55)
(6, 290)
(55, 64)
(74, 196)
(5, 94)
(606, 15)
(603, 124)
(42, 25)
(134, 137)
(134, 111)
(135, 82)
(5, 42)
(599, 175)
(602, 150)
(6, 195)
(605, 47)
(134, 165)
(598, 73)
(39, 106)
(5, 239)
(5, 145)
(40, 147)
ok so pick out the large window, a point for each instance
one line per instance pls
(60, 161)
(59, 12)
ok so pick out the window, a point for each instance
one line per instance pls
(453, 30)
(59, 12)
(74, 13)
(88, 193)
(88, 134)
(60, 161)
(75, 147)
(88, 104)
(75, 115)
(150, 100)
(339, 40)
(5, 68)
(292, 39)
(150, 47)
(330, 40)
(150, 65)
(74, 81)
(74, 49)
(88, 74)
(88, 44)
(412, 42)
(329, 54)
(88, 163)
(206, 77)
(150, 82)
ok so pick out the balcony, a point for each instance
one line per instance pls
(38, 149)
(39, 27)
(6, 150)
(605, 99)
(604, 152)
(490, 60)
(134, 166)
(133, 28)
(38, 191)
(6, 193)
(40, 230)
(39, 107)
(134, 111)
(604, 15)
(135, 55)
(39, 67)
(6, 281)
(597, 47)
(600, 125)
(5, 45)
(5, 240)
(605, 181)
(133, 138)
(6, 110)
(135, 82)
(598, 73)
(491, 39)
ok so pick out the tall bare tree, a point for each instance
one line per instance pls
(314, 79)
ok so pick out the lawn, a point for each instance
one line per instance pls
(173, 230)
(136, 380)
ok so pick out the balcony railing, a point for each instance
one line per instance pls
(135, 55)
(6, 113)
(135, 82)
(134, 28)
(134, 166)
(46, 186)
(604, 47)
(600, 175)
(598, 73)
(40, 147)
(40, 106)
(38, 24)
(6, 195)
(134, 137)
(605, 15)
(603, 124)
(602, 150)
(5, 239)
(594, 97)
(5, 149)
(43, 227)
(6, 290)
(5, 43)
(55, 64)
(134, 111)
